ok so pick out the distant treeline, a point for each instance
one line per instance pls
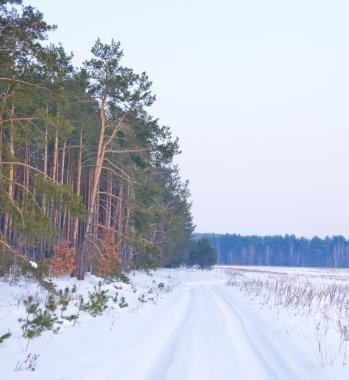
(280, 250)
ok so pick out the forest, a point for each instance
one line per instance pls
(87, 179)
(288, 250)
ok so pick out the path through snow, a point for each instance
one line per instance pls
(202, 330)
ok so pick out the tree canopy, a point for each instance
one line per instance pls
(83, 164)
(202, 253)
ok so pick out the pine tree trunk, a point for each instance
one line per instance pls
(119, 212)
(109, 201)
(55, 156)
(69, 181)
(8, 220)
(45, 169)
(0, 149)
(126, 225)
(63, 162)
(26, 168)
(94, 193)
(78, 189)
(55, 174)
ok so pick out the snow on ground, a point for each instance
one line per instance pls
(188, 324)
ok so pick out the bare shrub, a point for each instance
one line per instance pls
(105, 260)
(63, 261)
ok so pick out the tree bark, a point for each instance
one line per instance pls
(55, 156)
(94, 193)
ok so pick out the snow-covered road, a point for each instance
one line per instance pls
(202, 329)
(213, 342)
(205, 330)
(208, 333)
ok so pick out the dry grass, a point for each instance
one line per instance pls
(322, 302)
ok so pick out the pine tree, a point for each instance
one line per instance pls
(82, 163)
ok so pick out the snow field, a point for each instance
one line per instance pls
(317, 299)
(144, 291)
(197, 325)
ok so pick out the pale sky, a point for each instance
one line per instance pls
(257, 92)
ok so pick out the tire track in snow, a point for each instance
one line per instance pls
(213, 342)
(167, 356)
(201, 348)
(199, 335)
(253, 362)
(147, 344)
(260, 345)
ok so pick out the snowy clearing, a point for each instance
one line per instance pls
(235, 323)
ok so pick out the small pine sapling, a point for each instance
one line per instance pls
(64, 297)
(97, 302)
(142, 299)
(115, 298)
(31, 308)
(4, 337)
(63, 300)
(39, 320)
(122, 303)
